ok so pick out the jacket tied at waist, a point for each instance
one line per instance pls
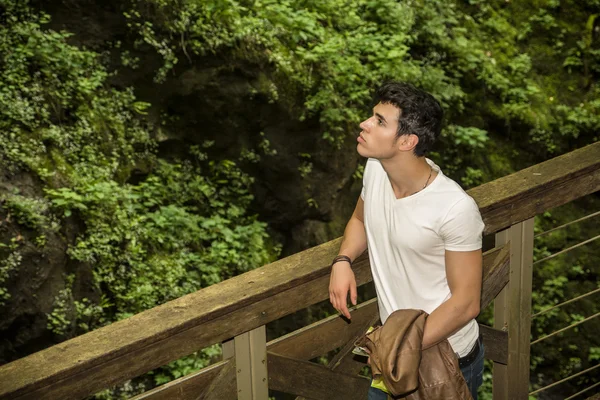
(396, 356)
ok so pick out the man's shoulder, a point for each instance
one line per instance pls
(452, 196)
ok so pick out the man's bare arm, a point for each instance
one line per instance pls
(464, 274)
(342, 280)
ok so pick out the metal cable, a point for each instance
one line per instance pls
(564, 380)
(567, 224)
(564, 329)
(584, 390)
(567, 249)
(565, 302)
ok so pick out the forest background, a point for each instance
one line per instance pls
(150, 148)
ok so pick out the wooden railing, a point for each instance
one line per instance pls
(235, 312)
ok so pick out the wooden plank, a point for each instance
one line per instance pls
(534, 190)
(302, 344)
(85, 381)
(330, 333)
(186, 387)
(496, 344)
(344, 361)
(325, 335)
(223, 386)
(137, 362)
(333, 332)
(303, 378)
(152, 326)
(495, 273)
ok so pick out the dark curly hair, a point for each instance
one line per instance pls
(420, 113)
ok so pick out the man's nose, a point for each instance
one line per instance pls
(366, 124)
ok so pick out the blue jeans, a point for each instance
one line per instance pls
(473, 374)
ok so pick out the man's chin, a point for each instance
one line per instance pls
(361, 151)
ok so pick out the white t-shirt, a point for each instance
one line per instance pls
(407, 239)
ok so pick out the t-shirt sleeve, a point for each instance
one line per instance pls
(462, 227)
(362, 193)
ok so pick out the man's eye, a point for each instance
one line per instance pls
(379, 121)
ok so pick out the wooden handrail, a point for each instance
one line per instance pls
(128, 348)
(330, 333)
(534, 190)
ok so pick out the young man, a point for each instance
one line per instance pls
(422, 230)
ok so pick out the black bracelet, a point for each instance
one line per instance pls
(342, 258)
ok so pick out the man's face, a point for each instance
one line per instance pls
(378, 136)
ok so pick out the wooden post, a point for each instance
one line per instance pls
(251, 364)
(228, 349)
(512, 313)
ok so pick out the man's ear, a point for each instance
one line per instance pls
(408, 142)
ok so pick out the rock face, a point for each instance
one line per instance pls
(34, 282)
(223, 111)
(303, 187)
(222, 99)
(299, 178)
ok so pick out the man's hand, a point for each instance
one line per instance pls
(341, 282)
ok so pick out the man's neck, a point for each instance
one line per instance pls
(408, 174)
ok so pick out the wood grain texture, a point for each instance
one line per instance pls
(333, 332)
(304, 344)
(495, 273)
(223, 386)
(534, 190)
(187, 387)
(88, 378)
(345, 361)
(495, 342)
(314, 381)
(323, 336)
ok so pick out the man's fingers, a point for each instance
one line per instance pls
(353, 294)
(345, 311)
(339, 303)
(339, 300)
(343, 303)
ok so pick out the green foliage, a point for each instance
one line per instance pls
(8, 264)
(30, 212)
(52, 97)
(484, 61)
(60, 320)
(177, 231)
(183, 226)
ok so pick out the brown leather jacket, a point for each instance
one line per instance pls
(396, 355)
